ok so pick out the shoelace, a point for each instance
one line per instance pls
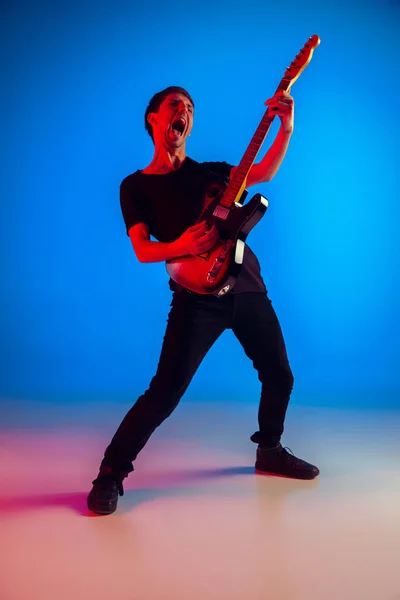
(293, 459)
(120, 487)
(288, 454)
(106, 479)
(288, 449)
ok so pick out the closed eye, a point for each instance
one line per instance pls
(188, 106)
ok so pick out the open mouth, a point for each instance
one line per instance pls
(178, 126)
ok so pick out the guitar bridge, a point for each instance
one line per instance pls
(219, 261)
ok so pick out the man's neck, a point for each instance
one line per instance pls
(165, 161)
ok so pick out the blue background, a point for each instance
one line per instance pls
(81, 319)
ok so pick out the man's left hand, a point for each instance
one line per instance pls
(282, 105)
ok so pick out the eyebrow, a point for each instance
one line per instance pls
(175, 99)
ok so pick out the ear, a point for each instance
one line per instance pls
(151, 117)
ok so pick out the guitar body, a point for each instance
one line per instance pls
(215, 272)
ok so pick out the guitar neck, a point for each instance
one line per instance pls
(238, 183)
(235, 188)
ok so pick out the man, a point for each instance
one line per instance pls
(164, 201)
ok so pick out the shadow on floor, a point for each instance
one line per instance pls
(149, 487)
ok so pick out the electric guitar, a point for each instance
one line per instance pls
(215, 272)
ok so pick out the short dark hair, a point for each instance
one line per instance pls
(156, 101)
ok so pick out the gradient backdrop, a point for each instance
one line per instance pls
(81, 319)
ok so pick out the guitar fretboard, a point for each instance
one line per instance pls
(235, 187)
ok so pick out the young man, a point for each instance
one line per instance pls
(164, 201)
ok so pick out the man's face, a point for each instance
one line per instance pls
(173, 122)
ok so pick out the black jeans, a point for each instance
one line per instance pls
(195, 322)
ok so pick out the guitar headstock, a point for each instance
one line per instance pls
(298, 65)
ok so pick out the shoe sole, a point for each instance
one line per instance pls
(304, 477)
(103, 509)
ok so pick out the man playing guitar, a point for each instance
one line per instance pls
(164, 201)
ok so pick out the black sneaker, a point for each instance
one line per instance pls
(103, 497)
(278, 461)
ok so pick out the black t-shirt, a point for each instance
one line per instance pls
(168, 204)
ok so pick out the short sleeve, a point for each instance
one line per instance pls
(222, 169)
(130, 202)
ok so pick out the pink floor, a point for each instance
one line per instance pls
(196, 522)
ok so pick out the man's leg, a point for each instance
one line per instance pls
(256, 326)
(194, 324)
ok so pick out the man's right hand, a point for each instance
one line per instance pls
(197, 239)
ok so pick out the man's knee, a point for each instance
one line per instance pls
(288, 380)
(280, 376)
(162, 400)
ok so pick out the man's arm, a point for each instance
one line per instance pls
(282, 106)
(269, 165)
(195, 240)
(148, 251)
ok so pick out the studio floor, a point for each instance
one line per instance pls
(196, 522)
